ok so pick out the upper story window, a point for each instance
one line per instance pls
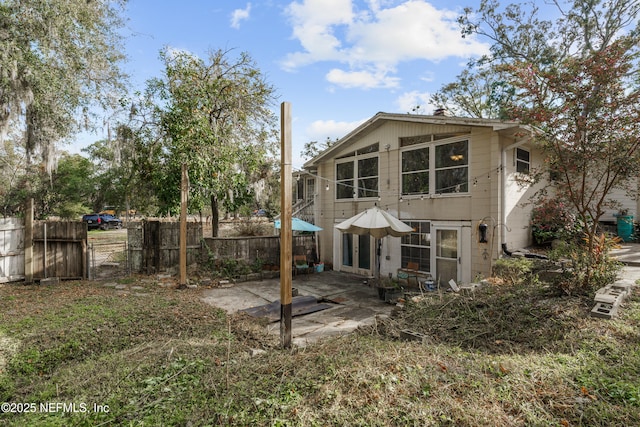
(415, 171)
(344, 180)
(452, 167)
(357, 174)
(438, 168)
(368, 177)
(522, 160)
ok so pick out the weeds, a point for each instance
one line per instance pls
(511, 355)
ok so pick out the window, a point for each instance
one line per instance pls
(452, 167)
(365, 168)
(415, 171)
(344, 180)
(416, 246)
(368, 177)
(522, 160)
(311, 189)
(445, 165)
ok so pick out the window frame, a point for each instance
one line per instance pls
(413, 242)
(518, 161)
(355, 181)
(434, 172)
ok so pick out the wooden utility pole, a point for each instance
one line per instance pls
(184, 192)
(286, 236)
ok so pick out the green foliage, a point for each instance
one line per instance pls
(215, 116)
(501, 354)
(57, 58)
(588, 267)
(574, 81)
(514, 271)
(551, 219)
(314, 148)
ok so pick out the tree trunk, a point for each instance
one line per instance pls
(215, 219)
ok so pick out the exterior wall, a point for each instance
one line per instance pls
(482, 204)
(518, 201)
(627, 201)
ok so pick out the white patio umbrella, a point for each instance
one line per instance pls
(377, 223)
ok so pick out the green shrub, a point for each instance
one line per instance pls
(586, 270)
(551, 219)
(513, 271)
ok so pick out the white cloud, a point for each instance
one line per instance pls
(378, 37)
(320, 130)
(239, 15)
(361, 79)
(410, 100)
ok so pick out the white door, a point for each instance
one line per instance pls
(356, 253)
(447, 254)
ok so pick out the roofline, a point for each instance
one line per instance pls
(496, 125)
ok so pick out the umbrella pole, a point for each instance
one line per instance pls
(378, 244)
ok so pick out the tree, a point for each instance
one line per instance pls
(12, 172)
(313, 148)
(68, 191)
(58, 59)
(576, 81)
(475, 93)
(216, 116)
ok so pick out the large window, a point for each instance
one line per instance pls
(344, 180)
(452, 168)
(416, 246)
(368, 177)
(441, 169)
(415, 171)
(357, 175)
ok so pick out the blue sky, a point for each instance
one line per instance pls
(338, 62)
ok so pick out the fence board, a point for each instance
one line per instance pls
(266, 249)
(11, 249)
(154, 245)
(66, 255)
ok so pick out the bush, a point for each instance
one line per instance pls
(587, 270)
(514, 271)
(550, 220)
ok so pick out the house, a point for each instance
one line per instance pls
(454, 180)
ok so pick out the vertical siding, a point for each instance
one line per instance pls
(482, 204)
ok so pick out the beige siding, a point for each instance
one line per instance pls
(481, 204)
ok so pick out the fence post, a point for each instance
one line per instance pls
(28, 242)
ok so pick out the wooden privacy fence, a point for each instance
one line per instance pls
(11, 249)
(265, 249)
(53, 249)
(59, 249)
(154, 245)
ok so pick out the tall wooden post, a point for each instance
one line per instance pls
(286, 236)
(28, 242)
(184, 192)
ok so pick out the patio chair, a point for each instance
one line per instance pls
(301, 264)
(409, 273)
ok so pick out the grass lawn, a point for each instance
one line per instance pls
(86, 354)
